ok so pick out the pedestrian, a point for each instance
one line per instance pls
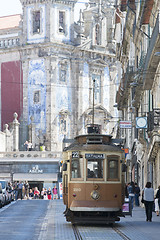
(49, 193)
(26, 145)
(20, 186)
(131, 192)
(55, 192)
(31, 194)
(126, 191)
(42, 193)
(157, 201)
(148, 194)
(15, 190)
(26, 184)
(45, 194)
(36, 193)
(23, 192)
(137, 194)
(30, 146)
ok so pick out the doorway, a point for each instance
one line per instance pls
(33, 184)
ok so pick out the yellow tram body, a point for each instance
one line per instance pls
(93, 180)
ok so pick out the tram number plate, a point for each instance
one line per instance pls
(75, 154)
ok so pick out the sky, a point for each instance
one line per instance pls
(11, 7)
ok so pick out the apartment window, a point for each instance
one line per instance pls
(36, 22)
(61, 22)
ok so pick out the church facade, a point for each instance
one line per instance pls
(54, 70)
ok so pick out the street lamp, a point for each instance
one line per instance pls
(93, 101)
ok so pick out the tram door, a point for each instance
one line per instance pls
(65, 188)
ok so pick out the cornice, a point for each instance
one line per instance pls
(66, 2)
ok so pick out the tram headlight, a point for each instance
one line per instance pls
(95, 195)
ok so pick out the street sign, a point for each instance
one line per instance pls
(125, 124)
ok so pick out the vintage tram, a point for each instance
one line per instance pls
(93, 179)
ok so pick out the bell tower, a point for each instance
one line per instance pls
(47, 20)
(35, 18)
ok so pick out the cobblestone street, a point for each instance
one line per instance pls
(44, 220)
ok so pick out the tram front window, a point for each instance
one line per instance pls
(77, 168)
(95, 168)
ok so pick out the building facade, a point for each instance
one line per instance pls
(50, 65)
(138, 95)
(56, 73)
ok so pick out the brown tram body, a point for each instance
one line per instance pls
(93, 180)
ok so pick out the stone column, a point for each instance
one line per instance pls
(32, 132)
(15, 132)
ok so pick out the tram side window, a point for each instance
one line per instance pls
(112, 169)
(95, 168)
(77, 168)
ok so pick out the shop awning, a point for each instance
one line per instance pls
(37, 177)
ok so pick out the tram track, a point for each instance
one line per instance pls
(76, 232)
(78, 236)
(124, 237)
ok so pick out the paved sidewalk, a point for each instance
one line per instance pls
(148, 230)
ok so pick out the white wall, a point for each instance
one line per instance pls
(2, 142)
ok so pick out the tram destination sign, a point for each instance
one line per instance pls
(94, 156)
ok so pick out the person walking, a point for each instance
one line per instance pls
(157, 201)
(55, 192)
(131, 192)
(137, 194)
(148, 194)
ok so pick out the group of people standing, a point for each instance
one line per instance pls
(44, 194)
(22, 190)
(150, 198)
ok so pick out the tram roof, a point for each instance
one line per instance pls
(75, 146)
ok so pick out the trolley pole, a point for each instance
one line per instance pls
(93, 100)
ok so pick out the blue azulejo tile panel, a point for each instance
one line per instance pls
(37, 94)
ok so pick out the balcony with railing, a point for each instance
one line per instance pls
(152, 60)
(9, 43)
(154, 120)
(154, 133)
(33, 156)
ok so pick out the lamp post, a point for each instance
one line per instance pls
(93, 100)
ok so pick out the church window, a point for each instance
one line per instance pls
(97, 88)
(61, 22)
(63, 75)
(36, 97)
(63, 126)
(63, 72)
(97, 35)
(36, 22)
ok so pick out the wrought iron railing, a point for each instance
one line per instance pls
(153, 119)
